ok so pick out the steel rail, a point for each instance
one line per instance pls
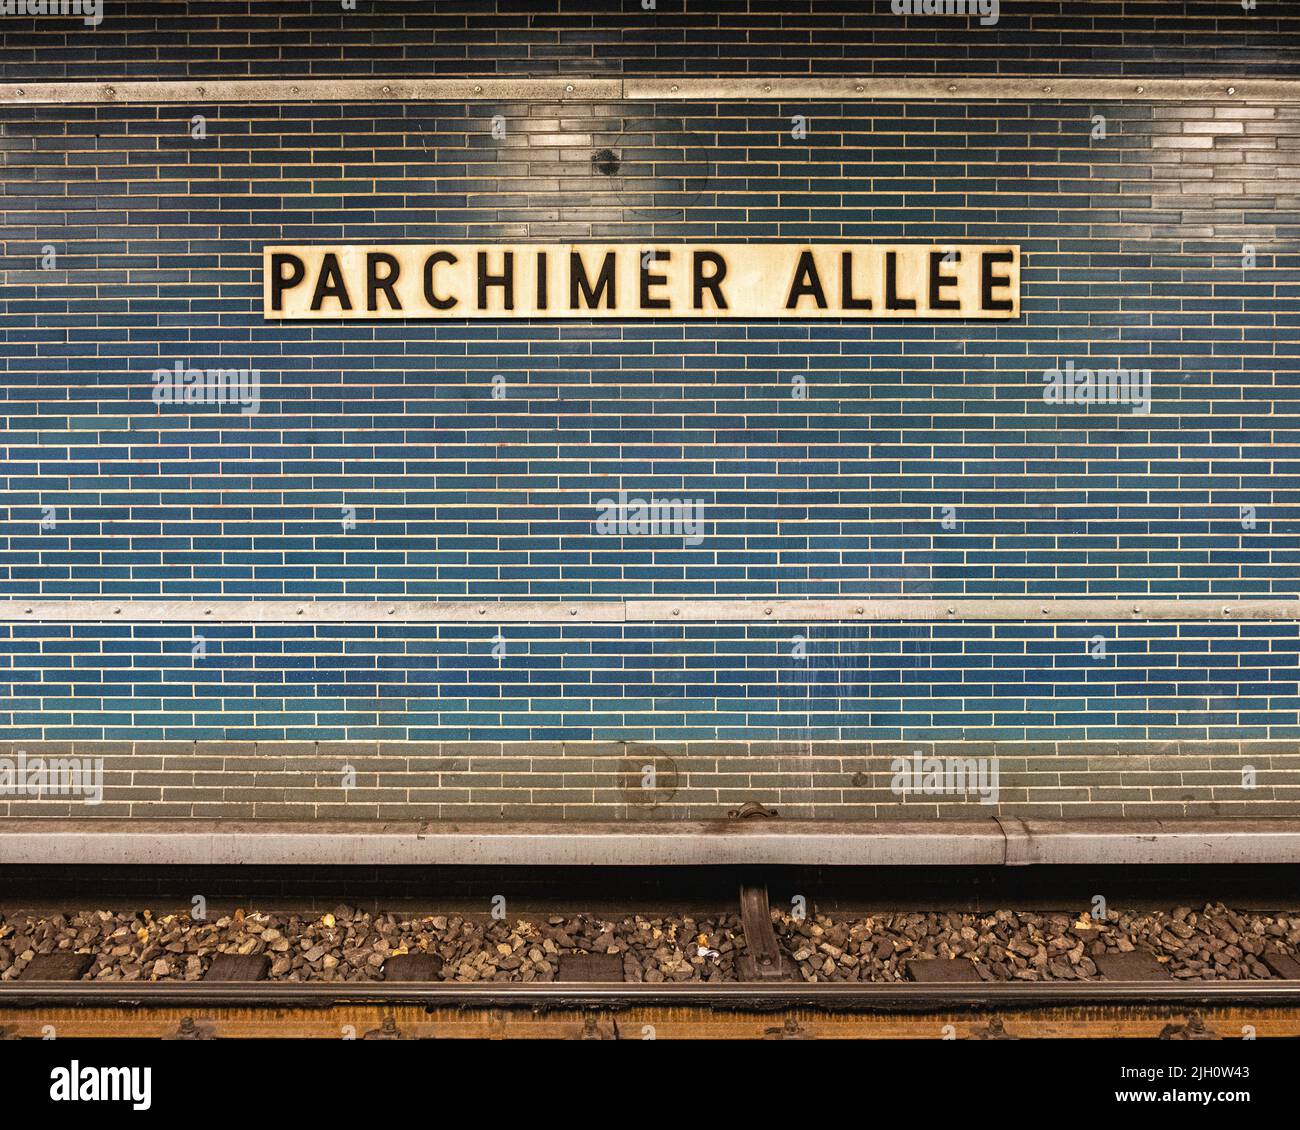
(849, 88)
(771, 609)
(892, 996)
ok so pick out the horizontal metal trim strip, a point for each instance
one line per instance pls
(634, 89)
(66, 841)
(928, 87)
(844, 609)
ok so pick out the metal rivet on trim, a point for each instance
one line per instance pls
(677, 611)
(1232, 90)
(110, 91)
(1047, 90)
(1141, 89)
(952, 88)
(293, 90)
(388, 89)
(767, 612)
(859, 610)
(299, 612)
(202, 91)
(767, 88)
(477, 89)
(1227, 611)
(1136, 609)
(207, 612)
(673, 89)
(573, 611)
(568, 89)
(1043, 610)
(391, 611)
(116, 611)
(859, 88)
(481, 611)
(951, 610)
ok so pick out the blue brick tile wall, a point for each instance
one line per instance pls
(923, 461)
(646, 682)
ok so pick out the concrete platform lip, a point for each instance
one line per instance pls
(987, 842)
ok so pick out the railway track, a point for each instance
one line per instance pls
(1203, 1011)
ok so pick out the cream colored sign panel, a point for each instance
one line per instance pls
(628, 280)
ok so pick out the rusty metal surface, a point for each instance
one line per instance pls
(1136, 966)
(588, 968)
(760, 996)
(641, 1021)
(238, 967)
(762, 960)
(57, 967)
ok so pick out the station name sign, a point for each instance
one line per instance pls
(626, 280)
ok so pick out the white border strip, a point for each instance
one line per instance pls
(711, 89)
(847, 609)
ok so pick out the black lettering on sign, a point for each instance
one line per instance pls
(280, 282)
(329, 283)
(579, 283)
(712, 282)
(505, 280)
(988, 280)
(892, 301)
(938, 280)
(543, 302)
(806, 282)
(847, 301)
(429, 296)
(648, 280)
(375, 282)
